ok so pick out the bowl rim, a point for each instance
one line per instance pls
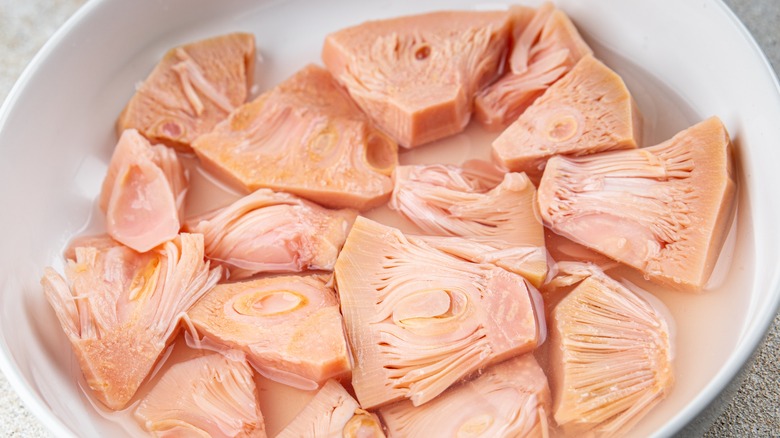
(750, 340)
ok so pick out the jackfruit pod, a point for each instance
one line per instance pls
(120, 308)
(289, 327)
(510, 399)
(209, 396)
(269, 231)
(419, 319)
(416, 76)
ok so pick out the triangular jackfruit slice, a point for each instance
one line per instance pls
(289, 327)
(419, 319)
(120, 309)
(208, 397)
(307, 137)
(612, 356)
(416, 76)
(589, 110)
(269, 231)
(495, 210)
(546, 47)
(664, 209)
(510, 399)
(194, 87)
(143, 193)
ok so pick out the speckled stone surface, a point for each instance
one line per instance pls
(755, 410)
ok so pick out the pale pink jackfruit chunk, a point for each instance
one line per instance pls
(305, 136)
(268, 231)
(416, 76)
(588, 110)
(420, 319)
(194, 87)
(479, 202)
(546, 47)
(333, 413)
(289, 327)
(210, 396)
(612, 356)
(510, 399)
(663, 210)
(120, 309)
(143, 193)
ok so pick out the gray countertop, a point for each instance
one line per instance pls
(754, 412)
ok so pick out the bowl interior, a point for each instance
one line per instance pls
(57, 133)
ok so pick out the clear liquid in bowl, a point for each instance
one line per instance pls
(702, 340)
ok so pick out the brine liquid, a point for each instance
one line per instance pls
(707, 324)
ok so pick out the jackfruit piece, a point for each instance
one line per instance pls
(588, 110)
(307, 137)
(143, 193)
(333, 413)
(289, 327)
(194, 87)
(120, 309)
(419, 319)
(268, 231)
(611, 354)
(416, 76)
(448, 200)
(546, 47)
(663, 210)
(494, 210)
(209, 396)
(510, 399)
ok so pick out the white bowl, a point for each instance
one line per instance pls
(684, 61)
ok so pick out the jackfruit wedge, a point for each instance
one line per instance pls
(419, 319)
(143, 193)
(479, 202)
(587, 111)
(416, 76)
(307, 137)
(194, 87)
(546, 47)
(209, 396)
(289, 327)
(510, 399)
(269, 231)
(664, 209)
(611, 354)
(120, 309)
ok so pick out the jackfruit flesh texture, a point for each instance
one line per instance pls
(448, 200)
(587, 111)
(416, 76)
(496, 211)
(333, 413)
(611, 356)
(269, 231)
(208, 396)
(510, 399)
(193, 88)
(420, 319)
(143, 193)
(663, 210)
(546, 47)
(289, 327)
(307, 137)
(120, 309)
